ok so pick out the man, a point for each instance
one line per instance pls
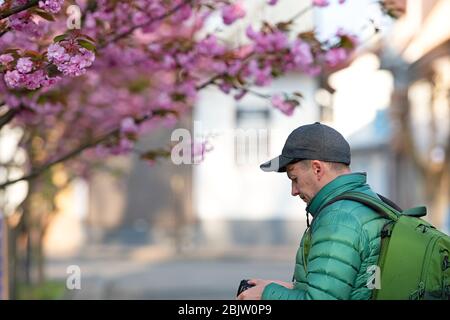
(341, 247)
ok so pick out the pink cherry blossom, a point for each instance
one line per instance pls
(129, 127)
(262, 76)
(57, 54)
(210, 46)
(302, 55)
(335, 56)
(234, 67)
(35, 80)
(225, 87)
(13, 78)
(233, 12)
(321, 3)
(6, 58)
(24, 65)
(52, 6)
(281, 104)
(23, 22)
(313, 70)
(240, 94)
(325, 3)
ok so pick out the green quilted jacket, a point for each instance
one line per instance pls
(344, 241)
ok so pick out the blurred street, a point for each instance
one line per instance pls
(120, 272)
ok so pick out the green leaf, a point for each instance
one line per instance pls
(276, 72)
(307, 36)
(42, 99)
(284, 26)
(154, 154)
(11, 50)
(292, 102)
(44, 14)
(298, 94)
(267, 27)
(52, 70)
(240, 80)
(164, 112)
(346, 43)
(178, 96)
(87, 37)
(86, 44)
(32, 53)
(139, 85)
(60, 37)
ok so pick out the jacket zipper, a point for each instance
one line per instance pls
(308, 243)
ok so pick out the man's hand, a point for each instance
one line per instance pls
(255, 292)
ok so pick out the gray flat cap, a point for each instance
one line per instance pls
(311, 142)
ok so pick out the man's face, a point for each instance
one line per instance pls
(303, 181)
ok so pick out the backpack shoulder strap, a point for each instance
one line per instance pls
(390, 203)
(386, 210)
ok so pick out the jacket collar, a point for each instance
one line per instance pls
(334, 188)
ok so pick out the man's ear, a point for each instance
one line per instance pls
(317, 168)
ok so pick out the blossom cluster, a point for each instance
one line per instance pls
(24, 73)
(52, 6)
(70, 58)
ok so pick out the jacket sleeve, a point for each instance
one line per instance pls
(333, 261)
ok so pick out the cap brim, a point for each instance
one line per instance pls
(277, 164)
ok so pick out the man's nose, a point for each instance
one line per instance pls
(294, 191)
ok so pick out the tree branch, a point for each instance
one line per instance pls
(131, 30)
(26, 6)
(300, 13)
(7, 117)
(67, 156)
(5, 31)
(208, 82)
(36, 172)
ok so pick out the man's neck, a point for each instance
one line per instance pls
(326, 180)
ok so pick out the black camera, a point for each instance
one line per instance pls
(244, 285)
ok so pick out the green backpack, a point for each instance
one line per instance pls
(414, 257)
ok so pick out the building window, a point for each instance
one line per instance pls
(251, 139)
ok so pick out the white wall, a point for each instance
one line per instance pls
(376, 165)
(225, 190)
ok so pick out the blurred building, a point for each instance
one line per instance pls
(417, 52)
(411, 61)
(371, 153)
